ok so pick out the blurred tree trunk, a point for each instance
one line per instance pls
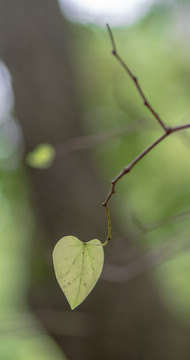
(116, 321)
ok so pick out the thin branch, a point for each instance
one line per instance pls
(136, 268)
(168, 130)
(131, 165)
(154, 225)
(128, 168)
(109, 223)
(135, 80)
(90, 141)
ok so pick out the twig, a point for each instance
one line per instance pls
(90, 141)
(151, 226)
(109, 223)
(136, 268)
(168, 131)
(140, 156)
(135, 80)
(131, 165)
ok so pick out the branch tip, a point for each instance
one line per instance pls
(167, 130)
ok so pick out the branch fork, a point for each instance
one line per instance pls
(167, 130)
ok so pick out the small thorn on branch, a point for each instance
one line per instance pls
(126, 169)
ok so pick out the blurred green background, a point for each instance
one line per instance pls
(36, 322)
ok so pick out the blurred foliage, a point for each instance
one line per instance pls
(41, 157)
(21, 336)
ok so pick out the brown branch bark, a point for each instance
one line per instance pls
(168, 130)
(135, 80)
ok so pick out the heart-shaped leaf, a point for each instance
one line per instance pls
(78, 266)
